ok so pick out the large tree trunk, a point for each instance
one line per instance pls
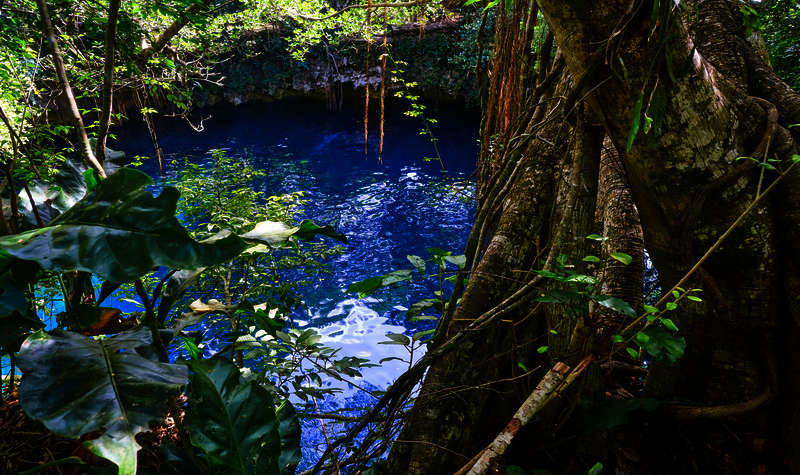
(694, 75)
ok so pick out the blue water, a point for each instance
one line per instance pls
(387, 208)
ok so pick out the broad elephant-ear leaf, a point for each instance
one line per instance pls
(235, 424)
(75, 384)
(120, 232)
(17, 320)
(289, 430)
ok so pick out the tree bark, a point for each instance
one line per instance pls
(632, 61)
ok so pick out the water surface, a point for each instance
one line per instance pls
(387, 208)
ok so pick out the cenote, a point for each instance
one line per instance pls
(388, 207)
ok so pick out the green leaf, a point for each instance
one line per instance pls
(551, 275)
(75, 384)
(308, 230)
(634, 354)
(399, 338)
(582, 279)
(616, 304)
(671, 306)
(470, 2)
(270, 232)
(542, 349)
(17, 321)
(641, 339)
(195, 353)
(394, 277)
(663, 345)
(591, 259)
(438, 255)
(390, 358)
(120, 232)
(366, 286)
(596, 469)
(418, 307)
(459, 261)
(637, 114)
(234, 424)
(669, 324)
(650, 309)
(597, 237)
(91, 180)
(418, 263)
(371, 284)
(676, 294)
(617, 339)
(66, 188)
(622, 257)
(289, 431)
(694, 298)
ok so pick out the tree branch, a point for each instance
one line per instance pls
(170, 32)
(61, 72)
(108, 80)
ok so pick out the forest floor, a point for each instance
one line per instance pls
(26, 445)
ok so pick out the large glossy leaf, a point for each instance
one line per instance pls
(75, 384)
(289, 430)
(277, 233)
(55, 197)
(235, 424)
(17, 320)
(120, 232)
(371, 284)
(616, 304)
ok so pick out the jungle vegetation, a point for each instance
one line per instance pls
(612, 133)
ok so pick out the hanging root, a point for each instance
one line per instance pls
(383, 79)
(366, 82)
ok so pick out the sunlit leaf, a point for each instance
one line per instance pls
(120, 232)
(616, 304)
(622, 257)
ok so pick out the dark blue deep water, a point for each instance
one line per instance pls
(388, 209)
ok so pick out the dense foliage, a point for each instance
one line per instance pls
(77, 225)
